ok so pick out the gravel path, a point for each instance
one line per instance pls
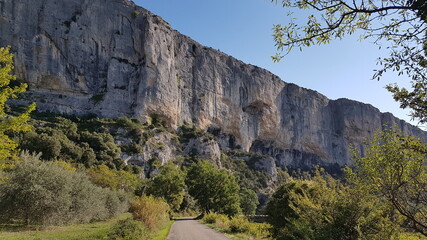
(189, 229)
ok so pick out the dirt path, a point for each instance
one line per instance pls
(189, 229)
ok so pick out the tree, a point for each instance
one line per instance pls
(214, 189)
(248, 201)
(324, 209)
(105, 177)
(168, 184)
(37, 192)
(8, 122)
(401, 23)
(395, 167)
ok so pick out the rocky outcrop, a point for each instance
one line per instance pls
(113, 58)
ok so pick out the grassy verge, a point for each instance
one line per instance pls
(164, 232)
(97, 230)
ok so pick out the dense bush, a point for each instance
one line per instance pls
(129, 229)
(86, 141)
(187, 132)
(37, 192)
(47, 145)
(105, 177)
(245, 176)
(322, 208)
(239, 225)
(153, 212)
(248, 201)
(394, 167)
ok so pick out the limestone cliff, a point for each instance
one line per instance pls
(113, 58)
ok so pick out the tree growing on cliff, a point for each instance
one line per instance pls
(7, 122)
(214, 189)
(401, 23)
(395, 167)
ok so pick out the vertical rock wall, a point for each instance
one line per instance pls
(113, 58)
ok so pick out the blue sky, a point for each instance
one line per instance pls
(243, 29)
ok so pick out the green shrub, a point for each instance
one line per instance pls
(153, 212)
(323, 208)
(103, 176)
(219, 220)
(239, 225)
(259, 230)
(103, 145)
(45, 193)
(129, 229)
(210, 218)
(47, 145)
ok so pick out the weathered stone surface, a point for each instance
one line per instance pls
(113, 58)
(204, 147)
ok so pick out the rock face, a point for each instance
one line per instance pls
(113, 58)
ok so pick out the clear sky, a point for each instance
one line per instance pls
(243, 29)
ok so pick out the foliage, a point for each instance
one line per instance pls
(39, 192)
(103, 176)
(153, 212)
(214, 189)
(245, 176)
(324, 209)
(49, 146)
(86, 141)
(238, 225)
(8, 122)
(248, 201)
(399, 23)
(187, 132)
(189, 205)
(128, 229)
(168, 184)
(103, 145)
(395, 167)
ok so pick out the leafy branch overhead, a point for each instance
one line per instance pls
(399, 23)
